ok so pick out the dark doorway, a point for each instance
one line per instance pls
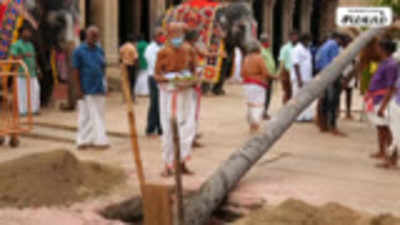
(277, 27)
(145, 18)
(258, 7)
(297, 15)
(88, 13)
(315, 20)
(126, 26)
(171, 3)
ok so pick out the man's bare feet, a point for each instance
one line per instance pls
(185, 170)
(197, 144)
(101, 147)
(198, 136)
(338, 133)
(167, 172)
(349, 117)
(266, 116)
(83, 147)
(254, 128)
(390, 162)
(378, 155)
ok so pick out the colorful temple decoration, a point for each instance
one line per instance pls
(10, 22)
(200, 15)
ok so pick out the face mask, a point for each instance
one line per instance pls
(177, 42)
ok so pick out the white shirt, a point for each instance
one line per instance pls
(301, 56)
(151, 57)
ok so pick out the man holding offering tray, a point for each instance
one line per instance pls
(175, 72)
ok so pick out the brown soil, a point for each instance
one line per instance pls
(54, 179)
(294, 212)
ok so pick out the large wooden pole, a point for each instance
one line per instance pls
(132, 126)
(200, 207)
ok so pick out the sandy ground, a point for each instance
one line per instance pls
(304, 164)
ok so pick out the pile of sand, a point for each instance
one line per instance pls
(55, 178)
(294, 212)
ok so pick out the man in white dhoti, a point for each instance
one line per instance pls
(391, 160)
(255, 81)
(89, 66)
(301, 73)
(176, 60)
(23, 49)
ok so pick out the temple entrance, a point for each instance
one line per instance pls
(277, 28)
(315, 20)
(297, 15)
(258, 6)
(134, 17)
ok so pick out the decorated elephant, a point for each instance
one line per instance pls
(56, 34)
(56, 26)
(228, 24)
(54, 22)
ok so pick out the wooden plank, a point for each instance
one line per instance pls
(157, 204)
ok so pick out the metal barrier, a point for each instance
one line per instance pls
(10, 121)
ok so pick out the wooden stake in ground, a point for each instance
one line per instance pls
(132, 126)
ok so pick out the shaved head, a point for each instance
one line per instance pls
(176, 29)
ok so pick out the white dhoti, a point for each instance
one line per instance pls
(309, 113)
(377, 120)
(394, 124)
(185, 114)
(91, 122)
(255, 102)
(142, 85)
(23, 95)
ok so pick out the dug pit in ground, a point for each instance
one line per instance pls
(55, 178)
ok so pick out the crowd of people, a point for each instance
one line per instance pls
(167, 69)
(299, 64)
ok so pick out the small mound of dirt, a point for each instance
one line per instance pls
(295, 212)
(385, 220)
(54, 179)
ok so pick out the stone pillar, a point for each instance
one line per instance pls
(269, 16)
(82, 12)
(287, 19)
(110, 31)
(306, 9)
(157, 8)
(328, 13)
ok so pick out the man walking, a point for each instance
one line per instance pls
(271, 66)
(129, 56)
(301, 73)
(176, 60)
(153, 116)
(89, 66)
(329, 103)
(286, 65)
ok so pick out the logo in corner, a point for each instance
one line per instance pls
(364, 16)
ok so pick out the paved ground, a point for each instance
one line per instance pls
(303, 164)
